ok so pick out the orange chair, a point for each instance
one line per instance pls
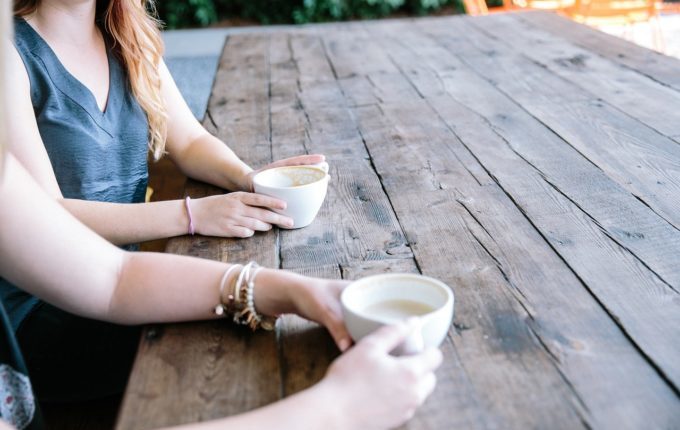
(557, 5)
(626, 13)
(479, 7)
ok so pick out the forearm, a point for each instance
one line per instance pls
(171, 288)
(123, 224)
(209, 160)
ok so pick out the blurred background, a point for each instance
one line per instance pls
(201, 13)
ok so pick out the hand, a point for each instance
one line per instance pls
(237, 214)
(374, 390)
(319, 300)
(282, 292)
(300, 160)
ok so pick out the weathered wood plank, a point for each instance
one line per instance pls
(611, 270)
(479, 131)
(638, 159)
(661, 68)
(356, 222)
(631, 219)
(555, 288)
(487, 310)
(239, 104)
(531, 163)
(341, 46)
(415, 174)
(559, 311)
(639, 96)
(170, 383)
(226, 370)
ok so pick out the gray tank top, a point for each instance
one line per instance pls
(95, 155)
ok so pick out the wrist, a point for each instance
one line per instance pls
(330, 392)
(275, 291)
(239, 176)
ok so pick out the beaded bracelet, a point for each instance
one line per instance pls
(240, 302)
(226, 306)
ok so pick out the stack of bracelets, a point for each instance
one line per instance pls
(239, 298)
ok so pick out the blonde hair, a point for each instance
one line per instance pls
(5, 38)
(136, 40)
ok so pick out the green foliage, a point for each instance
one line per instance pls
(189, 13)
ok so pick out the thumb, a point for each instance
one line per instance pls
(386, 338)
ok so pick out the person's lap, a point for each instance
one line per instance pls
(74, 359)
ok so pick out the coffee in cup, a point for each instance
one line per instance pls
(372, 302)
(303, 188)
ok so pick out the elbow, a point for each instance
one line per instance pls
(117, 309)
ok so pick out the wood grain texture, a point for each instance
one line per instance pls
(529, 141)
(652, 64)
(612, 82)
(226, 369)
(484, 138)
(416, 179)
(544, 299)
(356, 222)
(477, 159)
(641, 161)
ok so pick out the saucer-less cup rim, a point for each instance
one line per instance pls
(258, 178)
(346, 300)
(302, 201)
(434, 326)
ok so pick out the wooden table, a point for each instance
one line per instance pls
(530, 163)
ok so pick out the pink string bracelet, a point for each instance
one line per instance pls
(192, 230)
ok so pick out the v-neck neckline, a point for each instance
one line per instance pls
(85, 94)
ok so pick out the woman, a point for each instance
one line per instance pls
(91, 95)
(98, 280)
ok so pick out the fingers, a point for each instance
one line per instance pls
(425, 362)
(299, 160)
(238, 231)
(260, 200)
(387, 338)
(253, 224)
(268, 216)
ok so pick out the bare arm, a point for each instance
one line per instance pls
(66, 264)
(201, 155)
(236, 215)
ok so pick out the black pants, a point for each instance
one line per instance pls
(74, 359)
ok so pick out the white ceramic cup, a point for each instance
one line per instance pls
(363, 305)
(303, 188)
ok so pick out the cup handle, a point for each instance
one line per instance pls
(323, 166)
(414, 343)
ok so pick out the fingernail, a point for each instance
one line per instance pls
(344, 344)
